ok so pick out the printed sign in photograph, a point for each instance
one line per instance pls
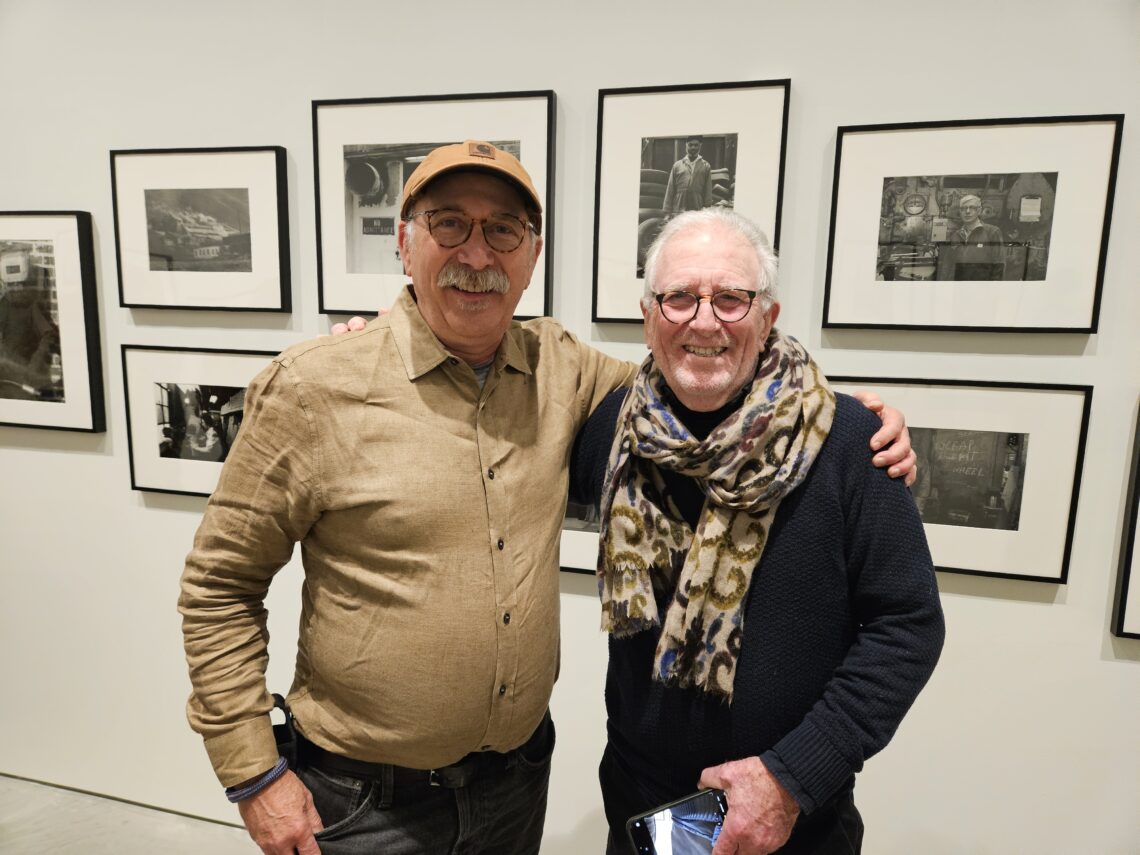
(365, 149)
(958, 228)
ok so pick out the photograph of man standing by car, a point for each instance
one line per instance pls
(949, 228)
(682, 173)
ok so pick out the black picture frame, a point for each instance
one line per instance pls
(51, 365)
(742, 126)
(1126, 615)
(1029, 253)
(364, 149)
(166, 390)
(202, 229)
(1016, 523)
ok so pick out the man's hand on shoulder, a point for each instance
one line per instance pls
(282, 819)
(354, 324)
(761, 812)
(892, 440)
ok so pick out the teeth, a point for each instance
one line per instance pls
(704, 351)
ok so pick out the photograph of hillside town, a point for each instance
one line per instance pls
(199, 230)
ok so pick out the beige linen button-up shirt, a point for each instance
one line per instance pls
(428, 512)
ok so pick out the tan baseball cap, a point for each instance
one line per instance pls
(478, 155)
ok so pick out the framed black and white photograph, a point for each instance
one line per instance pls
(202, 228)
(1126, 608)
(669, 149)
(184, 409)
(579, 544)
(999, 470)
(366, 148)
(51, 368)
(996, 224)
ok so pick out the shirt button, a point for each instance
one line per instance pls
(506, 619)
(453, 361)
(502, 689)
(491, 474)
(501, 544)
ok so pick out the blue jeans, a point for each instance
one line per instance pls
(496, 813)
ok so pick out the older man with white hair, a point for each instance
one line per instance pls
(770, 596)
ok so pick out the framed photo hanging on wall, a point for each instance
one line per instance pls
(1126, 608)
(1000, 470)
(184, 408)
(668, 149)
(51, 368)
(366, 148)
(202, 228)
(996, 224)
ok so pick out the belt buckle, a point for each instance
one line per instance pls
(434, 779)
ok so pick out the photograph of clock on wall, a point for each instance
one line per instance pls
(998, 225)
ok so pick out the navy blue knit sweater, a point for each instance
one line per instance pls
(842, 628)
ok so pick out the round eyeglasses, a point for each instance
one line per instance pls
(728, 306)
(503, 232)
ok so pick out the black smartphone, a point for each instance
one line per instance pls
(688, 826)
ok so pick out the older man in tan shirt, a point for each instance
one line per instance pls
(422, 465)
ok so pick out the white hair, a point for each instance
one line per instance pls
(691, 220)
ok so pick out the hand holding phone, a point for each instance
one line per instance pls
(688, 826)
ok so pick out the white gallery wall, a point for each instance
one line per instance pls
(1026, 739)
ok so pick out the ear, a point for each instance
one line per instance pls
(405, 246)
(649, 327)
(533, 260)
(770, 319)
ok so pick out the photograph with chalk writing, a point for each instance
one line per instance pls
(970, 478)
(999, 470)
(946, 228)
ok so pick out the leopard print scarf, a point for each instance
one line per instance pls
(745, 467)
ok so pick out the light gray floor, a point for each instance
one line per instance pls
(36, 819)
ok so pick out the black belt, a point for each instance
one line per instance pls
(476, 765)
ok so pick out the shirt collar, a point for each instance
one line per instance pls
(421, 351)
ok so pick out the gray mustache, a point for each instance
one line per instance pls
(487, 280)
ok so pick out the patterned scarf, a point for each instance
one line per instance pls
(745, 467)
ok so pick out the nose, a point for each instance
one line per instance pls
(475, 252)
(704, 320)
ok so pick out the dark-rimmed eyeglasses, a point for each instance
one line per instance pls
(728, 306)
(450, 228)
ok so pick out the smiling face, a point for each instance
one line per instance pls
(706, 361)
(693, 148)
(458, 289)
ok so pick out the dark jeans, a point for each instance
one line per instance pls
(834, 829)
(499, 812)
